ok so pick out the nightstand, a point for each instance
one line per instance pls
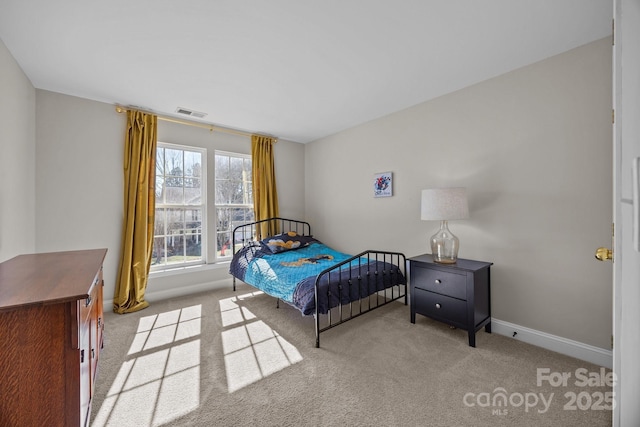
(457, 294)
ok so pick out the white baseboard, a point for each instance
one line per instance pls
(188, 290)
(180, 291)
(586, 352)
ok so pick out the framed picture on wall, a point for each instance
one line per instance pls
(383, 184)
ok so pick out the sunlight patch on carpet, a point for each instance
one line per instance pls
(160, 380)
(252, 350)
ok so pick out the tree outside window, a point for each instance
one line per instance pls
(234, 198)
(180, 206)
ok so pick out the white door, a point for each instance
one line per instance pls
(626, 260)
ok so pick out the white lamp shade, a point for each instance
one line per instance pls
(444, 204)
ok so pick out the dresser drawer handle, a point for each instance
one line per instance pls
(438, 305)
(87, 303)
(438, 281)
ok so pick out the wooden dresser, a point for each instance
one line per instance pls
(51, 324)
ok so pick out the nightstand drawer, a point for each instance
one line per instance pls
(445, 283)
(440, 306)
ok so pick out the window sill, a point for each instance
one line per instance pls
(189, 269)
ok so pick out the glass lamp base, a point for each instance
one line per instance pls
(444, 245)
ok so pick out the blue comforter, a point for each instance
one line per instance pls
(291, 275)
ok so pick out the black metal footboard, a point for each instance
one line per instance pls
(346, 290)
(358, 285)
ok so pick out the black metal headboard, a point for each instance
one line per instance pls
(247, 233)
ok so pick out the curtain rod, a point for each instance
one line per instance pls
(211, 128)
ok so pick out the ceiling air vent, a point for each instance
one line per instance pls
(190, 113)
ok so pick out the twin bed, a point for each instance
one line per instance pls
(281, 258)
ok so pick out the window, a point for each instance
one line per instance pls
(180, 235)
(180, 206)
(234, 198)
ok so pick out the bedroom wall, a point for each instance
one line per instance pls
(79, 184)
(79, 177)
(533, 147)
(17, 173)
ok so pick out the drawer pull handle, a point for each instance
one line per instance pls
(438, 305)
(87, 302)
(438, 281)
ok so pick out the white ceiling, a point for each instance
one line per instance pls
(295, 69)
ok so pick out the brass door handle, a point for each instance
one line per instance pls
(603, 254)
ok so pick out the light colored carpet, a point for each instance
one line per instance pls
(232, 359)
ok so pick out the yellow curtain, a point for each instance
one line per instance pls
(265, 196)
(139, 212)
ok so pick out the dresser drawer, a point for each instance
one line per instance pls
(86, 305)
(442, 282)
(440, 307)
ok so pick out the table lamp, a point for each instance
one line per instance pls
(444, 204)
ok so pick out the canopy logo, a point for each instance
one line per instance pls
(500, 401)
